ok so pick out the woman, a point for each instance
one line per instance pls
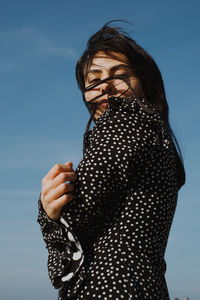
(110, 241)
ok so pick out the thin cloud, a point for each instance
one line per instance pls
(64, 52)
(27, 43)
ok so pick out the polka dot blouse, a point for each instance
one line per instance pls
(110, 240)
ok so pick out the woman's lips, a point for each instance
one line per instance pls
(103, 104)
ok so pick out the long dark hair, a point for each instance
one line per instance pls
(112, 40)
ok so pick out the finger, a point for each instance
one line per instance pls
(59, 179)
(54, 209)
(69, 163)
(56, 193)
(57, 169)
(58, 204)
(64, 199)
(65, 176)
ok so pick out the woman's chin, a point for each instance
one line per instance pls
(99, 113)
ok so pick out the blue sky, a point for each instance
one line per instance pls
(42, 119)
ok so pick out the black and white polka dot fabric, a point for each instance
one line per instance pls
(111, 239)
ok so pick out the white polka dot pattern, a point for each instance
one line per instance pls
(124, 201)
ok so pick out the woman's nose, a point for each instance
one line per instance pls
(105, 87)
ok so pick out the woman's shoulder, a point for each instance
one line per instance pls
(132, 112)
(137, 110)
(132, 115)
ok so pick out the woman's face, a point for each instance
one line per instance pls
(102, 67)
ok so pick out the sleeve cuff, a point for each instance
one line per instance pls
(43, 219)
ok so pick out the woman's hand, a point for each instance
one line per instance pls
(55, 187)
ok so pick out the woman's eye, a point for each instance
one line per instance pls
(120, 73)
(93, 80)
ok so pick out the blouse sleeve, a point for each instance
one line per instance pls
(63, 248)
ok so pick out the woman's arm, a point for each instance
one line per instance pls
(106, 171)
